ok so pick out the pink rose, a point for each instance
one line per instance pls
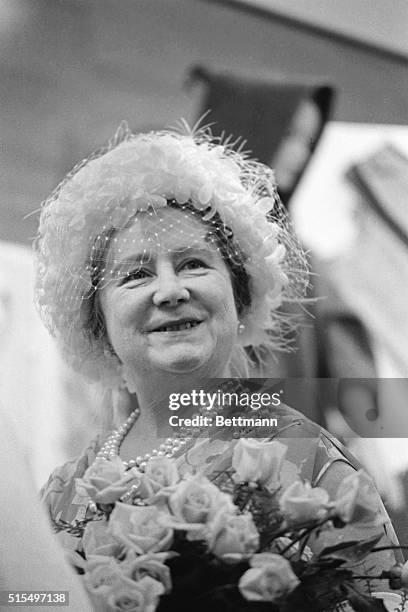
(258, 461)
(301, 502)
(105, 481)
(141, 528)
(357, 500)
(270, 578)
(232, 534)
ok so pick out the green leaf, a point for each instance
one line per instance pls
(354, 550)
(365, 603)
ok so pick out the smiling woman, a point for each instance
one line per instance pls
(170, 306)
(134, 180)
(162, 264)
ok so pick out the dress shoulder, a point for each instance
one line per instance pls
(59, 493)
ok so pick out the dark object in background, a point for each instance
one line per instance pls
(383, 180)
(346, 354)
(279, 120)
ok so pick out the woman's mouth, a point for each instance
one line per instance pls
(177, 326)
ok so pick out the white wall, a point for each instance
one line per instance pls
(380, 22)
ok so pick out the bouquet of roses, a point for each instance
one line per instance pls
(238, 542)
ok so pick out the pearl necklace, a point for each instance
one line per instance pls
(168, 448)
(114, 441)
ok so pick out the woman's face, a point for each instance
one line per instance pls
(168, 304)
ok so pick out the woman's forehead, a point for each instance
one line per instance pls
(165, 230)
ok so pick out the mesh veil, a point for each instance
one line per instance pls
(119, 194)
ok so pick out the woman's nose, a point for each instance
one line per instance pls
(170, 289)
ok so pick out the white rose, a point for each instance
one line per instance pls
(270, 578)
(162, 471)
(258, 461)
(138, 566)
(357, 500)
(130, 596)
(232, 534)
(301, 502)
(141, 528)
(101, 574)
(160, 475)
(105, 481)
(195, 501)
(98, 541)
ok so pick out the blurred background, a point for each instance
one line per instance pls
(72, 69)
(316, 88)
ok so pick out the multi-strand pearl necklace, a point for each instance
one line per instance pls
(168, 448)
(114, 441)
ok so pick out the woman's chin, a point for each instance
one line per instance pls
(185, 359)
(183, 365)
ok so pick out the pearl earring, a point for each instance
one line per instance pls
(241, 328)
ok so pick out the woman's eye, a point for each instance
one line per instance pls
(193, 264)
(135, 275)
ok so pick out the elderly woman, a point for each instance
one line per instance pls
(163, 262)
